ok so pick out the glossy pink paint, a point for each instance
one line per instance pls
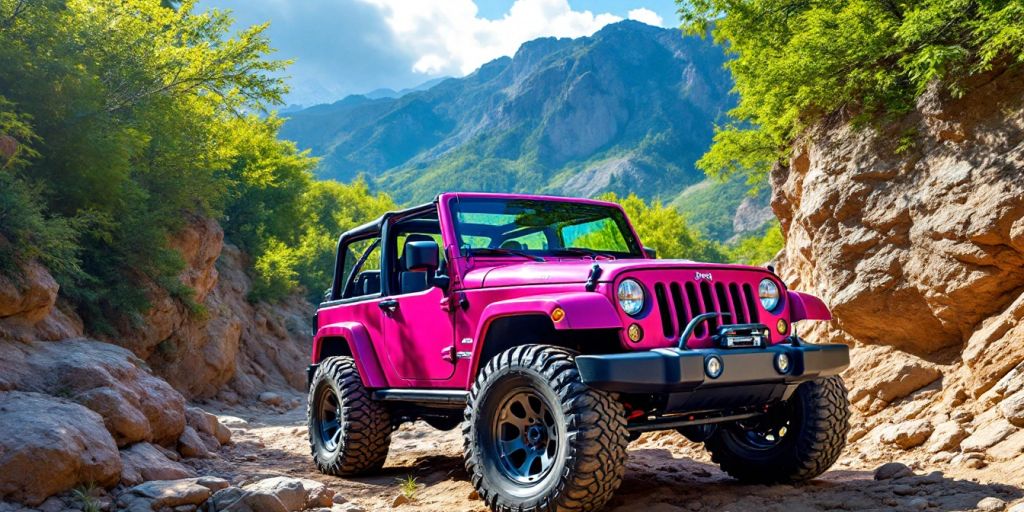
(415, 346)
(804, 306)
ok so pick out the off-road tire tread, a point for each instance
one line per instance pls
(596, 427)
(366, 425)
(816, 450)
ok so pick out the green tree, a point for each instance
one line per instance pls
(666, 230)
(130, 117)
(796, 61)
(757, 249)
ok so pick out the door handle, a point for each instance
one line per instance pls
(388, 305)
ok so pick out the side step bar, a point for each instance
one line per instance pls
(444, 398)
(687, 421)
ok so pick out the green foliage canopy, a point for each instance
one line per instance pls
(796, 61)
(665, 229)
(120, 120)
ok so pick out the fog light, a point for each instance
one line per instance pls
(781, 326)
(713, 367)
(635, 333)
(558, 314)
(782, 363)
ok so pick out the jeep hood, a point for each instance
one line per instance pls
(569, 271)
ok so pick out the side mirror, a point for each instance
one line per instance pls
(651, 252)
(441, 278)
(421, 255)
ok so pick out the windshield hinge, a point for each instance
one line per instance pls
(595, 274)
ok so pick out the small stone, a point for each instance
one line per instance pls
(903, 490)
(969, 460)
(918, 504)
(991, 504)
(52, 504)
(987, 436)
(347, 507)
(474, 496)
(1012, 408)
(942, 457)
(339, 499)
(892, 470)
(908, 434)
(947, 436)
(399, 501)
(191, 445)
(271, 398)
(232, 421)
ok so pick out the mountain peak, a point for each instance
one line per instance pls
(628, 109)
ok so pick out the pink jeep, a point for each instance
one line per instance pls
(545, 328)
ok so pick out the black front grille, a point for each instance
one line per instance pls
(678, 303)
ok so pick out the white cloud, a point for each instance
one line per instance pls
(646, 16)
(447, 37)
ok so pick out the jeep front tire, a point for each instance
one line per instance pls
(794, 442)
(537, 438)
(349, 433)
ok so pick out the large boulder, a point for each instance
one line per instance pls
(135, 405)
(169, 494)
(144, 462)
(49, 445)
(29, 308)
(277, 494)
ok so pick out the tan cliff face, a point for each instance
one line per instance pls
(123, 408)
(914, 235)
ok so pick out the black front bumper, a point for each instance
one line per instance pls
(672, 370)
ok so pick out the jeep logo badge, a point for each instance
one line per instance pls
(701, 275)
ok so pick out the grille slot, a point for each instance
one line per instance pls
(678, 303)
(748, 293)
(666, 320)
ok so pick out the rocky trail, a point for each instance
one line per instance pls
(665, 473)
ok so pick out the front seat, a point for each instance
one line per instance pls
(412, 280)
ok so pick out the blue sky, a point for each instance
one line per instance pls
(343, 47)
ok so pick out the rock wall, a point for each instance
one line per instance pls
(78, 411)
(230, 348)
(914, 234)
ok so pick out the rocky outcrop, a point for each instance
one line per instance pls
(118, 407)
(29, 307)
(135, 405)
(914, 234)
(237, 349)
(49, 445)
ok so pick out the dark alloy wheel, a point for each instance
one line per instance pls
(349, 433)
(525, 436)
(537, 438)
(794, 441)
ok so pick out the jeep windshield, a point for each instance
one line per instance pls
(534, 228)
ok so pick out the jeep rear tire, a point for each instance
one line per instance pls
(349, 433)
(795, 442)
(537, 438)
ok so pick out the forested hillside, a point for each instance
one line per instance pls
(627, 110)
(114, 135)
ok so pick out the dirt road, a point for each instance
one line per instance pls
(665, 473)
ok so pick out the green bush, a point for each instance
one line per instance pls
(665, 229)
(796, 61)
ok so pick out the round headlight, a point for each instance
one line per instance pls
(631, 296)
(768, 291)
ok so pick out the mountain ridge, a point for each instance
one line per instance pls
(626, 110)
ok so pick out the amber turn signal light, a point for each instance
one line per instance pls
(558, 314)
(781, 326)
(635, 333)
